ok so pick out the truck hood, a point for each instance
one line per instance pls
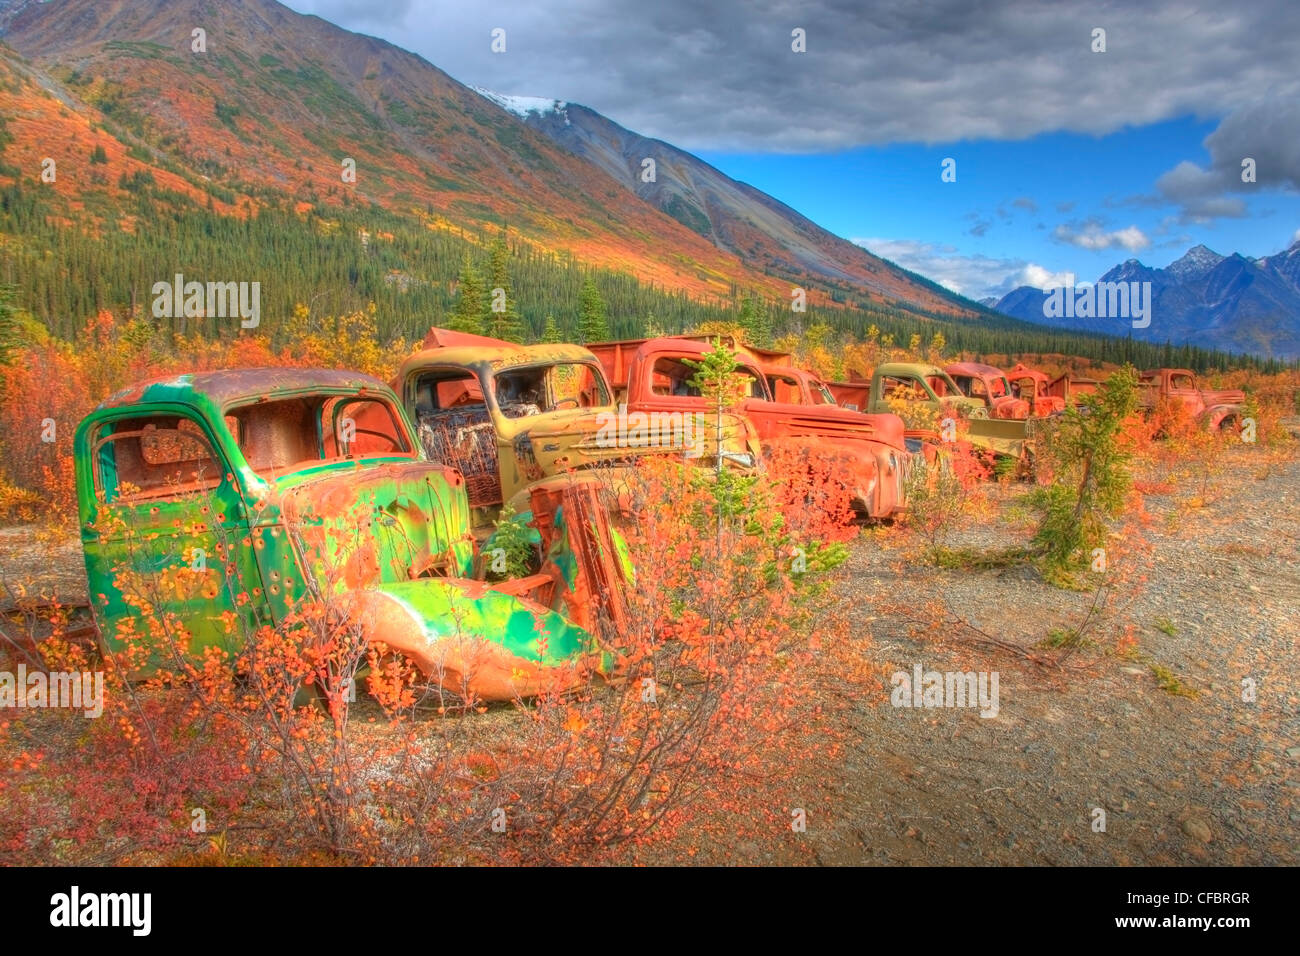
(825, 421)
(477, 642)
(973, 407)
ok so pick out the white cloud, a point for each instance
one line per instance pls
(976, 277)
(1296, 237)
(1040, 278)
(1093, 237)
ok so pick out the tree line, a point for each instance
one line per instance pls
(337, 260)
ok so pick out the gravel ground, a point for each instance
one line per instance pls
(1210, 779)
(1212, 598)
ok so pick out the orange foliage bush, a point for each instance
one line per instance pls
(51, 385)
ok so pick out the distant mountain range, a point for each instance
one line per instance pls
(1234, 303)
(172, 158)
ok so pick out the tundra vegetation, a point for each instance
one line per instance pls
(733, 665)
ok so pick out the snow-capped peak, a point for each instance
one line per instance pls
(1197, 260)
(521, 106)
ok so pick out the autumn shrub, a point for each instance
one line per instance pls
(730, 599)
(1084, 475)
(943, 482)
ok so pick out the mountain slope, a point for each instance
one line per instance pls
(279, 100)
(1233, 303)
(733, 215)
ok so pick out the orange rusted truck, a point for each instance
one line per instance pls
(1032, 386)
(652, 376)
(990, 386)
(1217, 408)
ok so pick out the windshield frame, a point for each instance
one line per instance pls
(319, 399)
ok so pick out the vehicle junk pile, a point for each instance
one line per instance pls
(274, 486)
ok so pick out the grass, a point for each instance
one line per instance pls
(976, 559)
(1063, 637)
(1166, 680)
(1166, 625)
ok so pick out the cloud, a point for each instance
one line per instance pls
(1296, 237)
(1264, 132)
(1040, 278)
(723, 76)
(1093, 237)
(980, 228)
(1024, 202)
(976, 277)
(344, 12)
(1067, 206)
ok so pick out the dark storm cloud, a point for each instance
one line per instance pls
(723, 76)
(353, 13)
(1264, 135)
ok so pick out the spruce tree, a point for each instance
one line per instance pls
(550, 331)
(593, 325)
(756, 321)
(468, 314)
(747, 319)
(500, 314)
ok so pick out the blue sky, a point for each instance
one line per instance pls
(1063, 202)
(1070, 157)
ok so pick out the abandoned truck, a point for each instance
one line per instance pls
(1033, 386)
(221, 500)
(652, 376)
(930, 390)
(1220, 408)
(990, 386)
(508, 416)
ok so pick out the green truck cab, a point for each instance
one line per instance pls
(219, 501)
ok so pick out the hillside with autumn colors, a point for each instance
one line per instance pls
(269, 112)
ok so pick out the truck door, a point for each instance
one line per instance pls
(164, 530)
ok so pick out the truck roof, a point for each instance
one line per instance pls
(762, 355)
(978, 369)
(909, 368)
(1021, 370)
(226, 387)
(496, 356)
